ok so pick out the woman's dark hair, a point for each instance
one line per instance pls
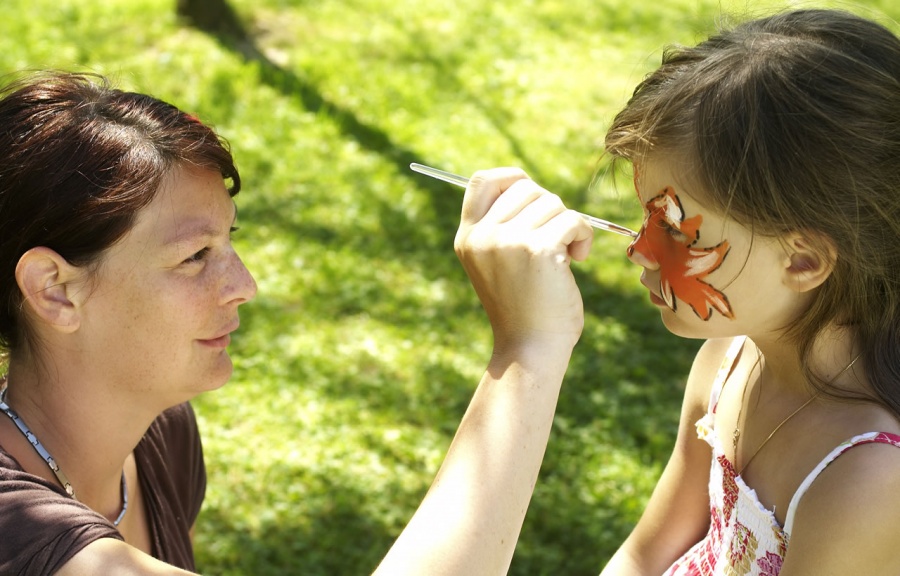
(78, 160)
(792, 123)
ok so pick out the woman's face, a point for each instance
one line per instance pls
(709, 275)
(165, 298)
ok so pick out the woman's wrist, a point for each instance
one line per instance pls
(545, 354)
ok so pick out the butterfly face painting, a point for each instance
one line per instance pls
(670, 240)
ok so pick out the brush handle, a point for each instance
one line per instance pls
(462, 182)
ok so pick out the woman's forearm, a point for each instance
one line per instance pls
(470, 519)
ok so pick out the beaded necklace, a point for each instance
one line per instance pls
(54, 467)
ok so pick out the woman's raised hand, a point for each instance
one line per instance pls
(515, 241)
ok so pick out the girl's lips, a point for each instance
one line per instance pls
(654, 297)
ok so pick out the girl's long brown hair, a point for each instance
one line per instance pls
(792, 123)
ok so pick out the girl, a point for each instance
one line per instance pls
(767, 159)
(120, 291)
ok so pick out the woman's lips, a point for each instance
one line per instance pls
(220, 342)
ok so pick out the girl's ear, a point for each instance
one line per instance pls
(809, 260)
(50, 287)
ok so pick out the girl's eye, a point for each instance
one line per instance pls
(674, 232)
(197, 257)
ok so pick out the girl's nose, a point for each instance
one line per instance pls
(639, 252)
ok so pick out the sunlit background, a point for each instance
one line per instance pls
(356, 361)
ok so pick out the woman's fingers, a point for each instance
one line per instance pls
(516, 241)
(503, 201)
(569, 229)
(484, 188)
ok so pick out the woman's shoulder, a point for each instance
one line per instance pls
(171, 453)
(172, 445)
(173, 479)
(42, 527)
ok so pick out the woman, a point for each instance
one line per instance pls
(122, 289)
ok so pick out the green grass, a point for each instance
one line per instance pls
(355, 363)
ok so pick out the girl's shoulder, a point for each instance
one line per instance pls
(856, 495)
(712, 365)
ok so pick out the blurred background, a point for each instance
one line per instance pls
(356, 361)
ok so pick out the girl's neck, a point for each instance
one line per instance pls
(829, 357)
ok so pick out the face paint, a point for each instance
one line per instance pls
(669, 240)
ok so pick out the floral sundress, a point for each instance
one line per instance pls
(744, 538)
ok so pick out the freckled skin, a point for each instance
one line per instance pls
(669, 239)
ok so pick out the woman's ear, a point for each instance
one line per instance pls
(50, 286)
(809, 260)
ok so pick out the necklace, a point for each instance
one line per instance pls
(737, 431)
(54, 467)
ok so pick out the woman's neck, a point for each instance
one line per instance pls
(87, 428)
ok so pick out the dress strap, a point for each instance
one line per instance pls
(725, 370)
(867, 438)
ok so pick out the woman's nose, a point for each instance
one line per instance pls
(241, 286)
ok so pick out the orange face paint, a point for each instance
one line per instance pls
(670, 240)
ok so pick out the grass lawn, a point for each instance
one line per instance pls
(356, 361)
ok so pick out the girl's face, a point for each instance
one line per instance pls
(165, 298)
(707, 273)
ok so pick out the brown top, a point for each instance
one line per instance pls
(41, 527)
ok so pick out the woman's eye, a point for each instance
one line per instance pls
(197, 256)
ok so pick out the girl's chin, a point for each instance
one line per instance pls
(687, 324)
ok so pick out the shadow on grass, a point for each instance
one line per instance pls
(610, 397)
(333, 536)
(444, 198)
(369, 137)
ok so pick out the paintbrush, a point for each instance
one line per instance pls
(462, 181)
